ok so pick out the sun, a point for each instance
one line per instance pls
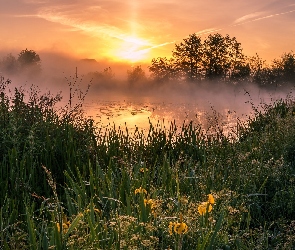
(133, 49)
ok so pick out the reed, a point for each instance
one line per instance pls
(66, 184)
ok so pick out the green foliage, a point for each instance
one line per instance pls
(68, 185)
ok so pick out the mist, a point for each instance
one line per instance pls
(105, 83)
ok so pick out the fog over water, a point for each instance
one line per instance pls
(114, 100)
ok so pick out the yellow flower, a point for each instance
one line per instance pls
(142, 170)
(180, 228)
(183, 200)
(140, 191)
(65, 225)
(95, 210)
(171, 226)
(204, 207)
(211, 199)
(149, 202)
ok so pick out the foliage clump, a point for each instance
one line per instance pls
(69, 185)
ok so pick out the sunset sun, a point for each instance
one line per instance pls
(132, 49)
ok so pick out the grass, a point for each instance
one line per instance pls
(65, 184)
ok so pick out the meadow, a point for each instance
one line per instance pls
(66, 184)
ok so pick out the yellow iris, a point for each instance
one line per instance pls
(142, 170)
(65, 225)
(204, 207)
(211, 199)
(149, 202)
(95, 210)
(171, 226)
(180, 228)
(140, 191)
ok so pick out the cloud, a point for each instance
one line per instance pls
(269, 10)
(248, 17)
(254, 17)
(85, 26)
(207, 31)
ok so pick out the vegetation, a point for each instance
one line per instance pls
(216, 59)
(65, 184)
(221, 58)
(28, 62)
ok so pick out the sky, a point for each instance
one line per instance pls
(137, 31)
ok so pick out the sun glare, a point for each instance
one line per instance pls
(133, 49)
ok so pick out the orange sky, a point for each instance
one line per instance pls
(137, 31)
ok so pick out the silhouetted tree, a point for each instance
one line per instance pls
(136, 75)
(162, 69)
(241, 73)
(30, 61)
(188, 57)
(284, 69)
(9, 64)
(28, 57)
(221, 56)
(106, 75)
(104, 78)
(260, 72)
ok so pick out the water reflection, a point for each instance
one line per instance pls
(135, 114)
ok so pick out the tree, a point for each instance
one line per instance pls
(9, 64)
(106, 75)
(188, 57)
(222, 55)
(258, 69)
(136, 75)
(29, 60)
(162, 69)
(284, 68)
(241, 72)
(105, 78)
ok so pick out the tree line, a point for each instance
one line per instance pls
(218, 59)
(28, 61)
(221, 58)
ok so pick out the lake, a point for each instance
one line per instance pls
(208, 107)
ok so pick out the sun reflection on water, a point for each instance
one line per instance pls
(139, 115)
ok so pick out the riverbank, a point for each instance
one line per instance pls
(69, 186)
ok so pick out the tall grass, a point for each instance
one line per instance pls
(65, 184)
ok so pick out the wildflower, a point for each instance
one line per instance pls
(204, 207)
(183, 200)
(95, 210)
(171, 226)
(211, 199)
(150, 203)
(140, 191)
(180, 228)
(65, 225)
(142, 170)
